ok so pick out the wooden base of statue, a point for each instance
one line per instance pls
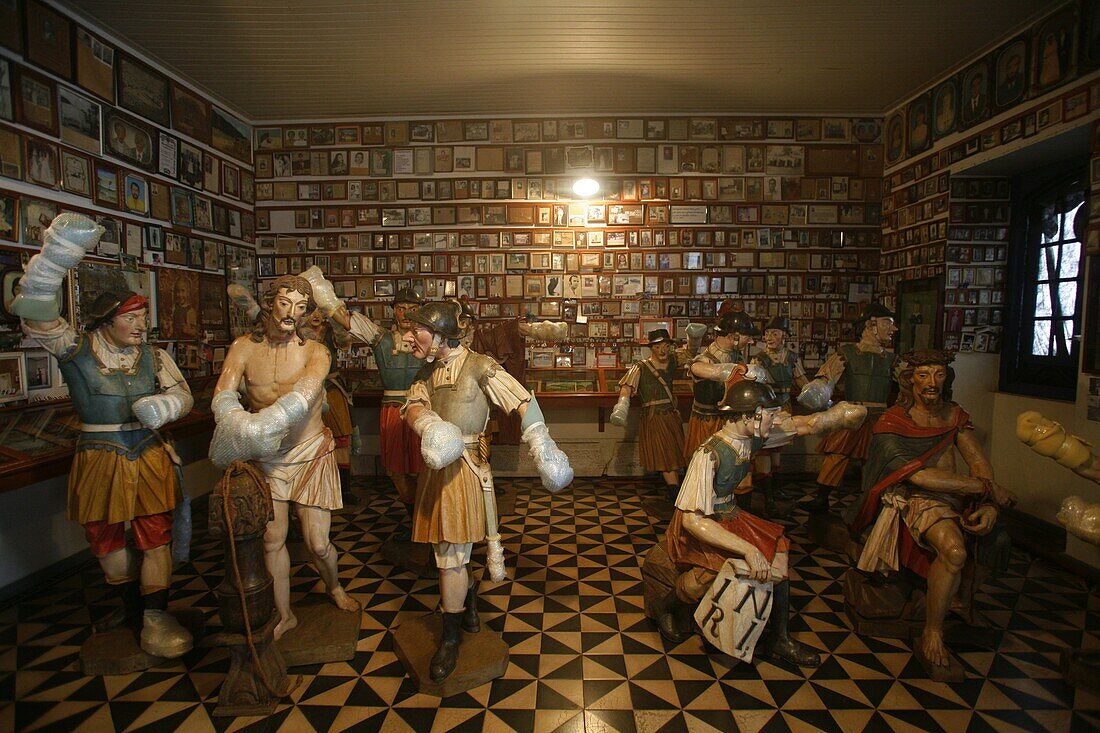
(324, 634)
(828, 530)
(482, 657)
(1081, 668)
(244, 691)
(412, 557)
(118, 651)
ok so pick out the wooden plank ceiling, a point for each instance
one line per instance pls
(301, 59)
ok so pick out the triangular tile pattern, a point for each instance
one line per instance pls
(583, 655)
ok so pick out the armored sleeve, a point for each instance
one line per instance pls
(833, 368)
(502, 389)
(697, 490)
(632, 377)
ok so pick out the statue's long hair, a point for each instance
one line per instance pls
(923, 357)
(289, 283)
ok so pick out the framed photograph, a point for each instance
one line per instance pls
(178, 294)
(1010, 69)
(11, 25)
(143, 90)
(80, 120)
(42, 164)
(39, 370)
(920, 314)
(945, 104)
(190, 165)
(920, 135)
(183, 213)
(7, 91)
(974, 93)
(230, 135)
(13, 377)
(35, 101)
(129, 140)
(895, 138)
(1054, 50)
(106, 185)
(136, 194)
(76, 174)
(49, 39)
(37, 215)
(190, 113)
(95, 65)
(9, 217)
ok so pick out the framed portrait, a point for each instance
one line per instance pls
(13, 377)
(35, 101)
(7, 91)
(974, 94)
(143, 90)
(9, 216)
(129, 140)
(1054, 50)
(40, 371)
(211, 173)
(920, 134)
(135, 194)
(42, 166)
(49, 39)
(1010, 72)
(37, 215)
(80, 120)
(11, 154)
(182, 208)
(106, 185)
(895, 138)
(178, 293)
(190, 113)
(11, 25)
(945, 104)
(95, 65)
(230, 135)
(190, 165)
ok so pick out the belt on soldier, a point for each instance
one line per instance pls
(394, 392)
(704, 409)
(868, 404)
(110, 427)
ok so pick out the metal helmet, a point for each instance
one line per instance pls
(105, 306)
(439, 317)
(745, 395)
(874, 309)
(780, 323)
(408, 295)
(736, 322)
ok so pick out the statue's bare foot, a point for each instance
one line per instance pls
(343, 601)
(933, 648)
(285, 625)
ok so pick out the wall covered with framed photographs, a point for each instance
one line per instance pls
(781, 214)
(940, 222)
(88, 125)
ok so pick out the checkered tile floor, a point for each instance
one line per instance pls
(583, 656)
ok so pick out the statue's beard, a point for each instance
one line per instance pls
(930, 397)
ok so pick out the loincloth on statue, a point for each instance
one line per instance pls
(306, 473)
(119, 475)
(661, 440)
(687, 551)
(853, 443)
(450, 505)
(700, 427)
(919, 511)
(400, 446)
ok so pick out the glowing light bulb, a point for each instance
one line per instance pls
(586, 187)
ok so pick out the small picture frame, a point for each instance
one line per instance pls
(13, 377)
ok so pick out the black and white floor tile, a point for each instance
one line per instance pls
(583, 655)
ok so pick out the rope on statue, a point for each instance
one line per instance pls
(226, 509)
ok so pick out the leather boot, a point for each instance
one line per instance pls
(128, 614)
(820, 503)
(471, 622)
(670, 618)
(346, 496)
(446, 657)
(772, 508)
(776, 643)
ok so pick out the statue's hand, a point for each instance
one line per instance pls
(759, 567)
(816, 395)
(620, 412)
(982, 520)
(441, 442)
(551, 462)
(1002, 497)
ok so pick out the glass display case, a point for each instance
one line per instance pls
(557, 381)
